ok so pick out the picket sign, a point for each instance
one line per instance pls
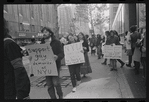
(73, 54)
(112, 52)
(42, 63)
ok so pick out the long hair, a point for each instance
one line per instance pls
(6, 30)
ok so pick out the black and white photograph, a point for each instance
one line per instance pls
(74, 51)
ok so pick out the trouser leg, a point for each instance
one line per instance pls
(50, 85)
(57, 85)
(77, 73)
(72, 75)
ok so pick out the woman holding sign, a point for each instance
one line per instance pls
(53, 81)
(74, 69)
(113, 41)
(85, 68)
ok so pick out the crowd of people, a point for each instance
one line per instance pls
(16, 80)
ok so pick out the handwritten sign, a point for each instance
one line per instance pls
(42, 63)
(113, 52)
(73, 54)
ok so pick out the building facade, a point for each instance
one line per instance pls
(128, 15)
(27, 20)
(112, 11)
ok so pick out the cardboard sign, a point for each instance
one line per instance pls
(42, 63)
(73, 54)
(113, 52)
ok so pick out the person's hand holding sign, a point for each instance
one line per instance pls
(55, 57)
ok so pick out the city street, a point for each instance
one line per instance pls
(101, 83)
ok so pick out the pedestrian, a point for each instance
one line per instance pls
(75, 68)
(93, 44)
(134, 36)
(114, 40)
(85, 68)
(16, 80)
(128, 47)
(119, 60)
(54, 81)
(98, 45)
(135, 46)
(143, 54)
(107, 42)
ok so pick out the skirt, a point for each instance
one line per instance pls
(85, 67)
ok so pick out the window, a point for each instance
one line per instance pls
(21, 27)
(5, 8)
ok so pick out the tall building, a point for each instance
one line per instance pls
(113, 9)
(69, 22)
(26, 20)
(65, 18)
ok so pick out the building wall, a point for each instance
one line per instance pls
(35, 15)
(113, 10)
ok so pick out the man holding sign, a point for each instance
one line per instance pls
(43, 54)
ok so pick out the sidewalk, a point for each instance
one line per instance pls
(101, 83)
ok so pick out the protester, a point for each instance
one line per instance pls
(128, 47)
(98, 45)
(75, 68)
(85, 68)
(16, 80)
(93, 44)
(107, 33)
(119, 60)
(135, 46)
(113, 41)
(54, 81)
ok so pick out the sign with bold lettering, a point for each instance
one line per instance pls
(113, 52)
(42, 63)
(73, 54)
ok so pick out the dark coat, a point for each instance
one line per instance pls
(16, 81)
(134, 38)
(57, 50)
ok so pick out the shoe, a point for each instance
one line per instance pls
(74, 89)
(99, 58)
(104, 63)
(128, 65)
(122, 65)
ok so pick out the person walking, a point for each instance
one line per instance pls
(119, 60)
(113, 41)
(75, 68)
(98, 45)
(107, 33)
(93, 44)
(16, 80)
(54, 81)
(128, 47)
(85, 68)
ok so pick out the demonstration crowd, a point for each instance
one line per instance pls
(16, 80)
